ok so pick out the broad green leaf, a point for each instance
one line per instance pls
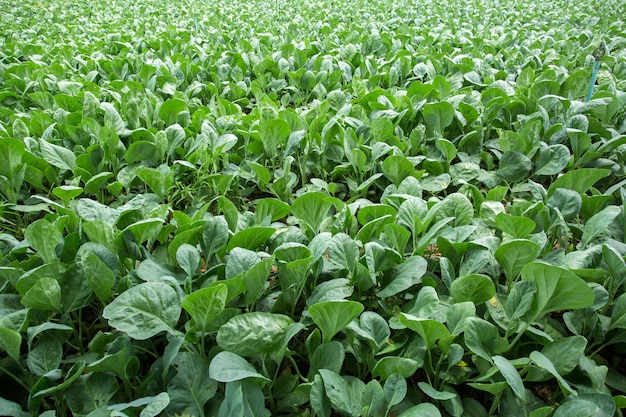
(337, 390)
(421, 410)
(395, 390)
(145, 310)
(514, 166)
(57, 156)
(44, 237)
(67, 193)
(253, 333)
(579, 180)
(577, 408)
(551, 160)
(313, 208)
(511, 376)
(520, 299)
(476, 288)
(271, 208)
(333, 316)
(343, 251)
(557, 289)
(598, 224)
(188, 258)
(568, 202)
(430, 330)
(228, 367)
(329, 356)
(11, 409)
(191, 387)
(618, 316)
(45, 356)
(543, 362)
(438, 116)
(170, 109)
(239, 261)
(483, 339)
(517, 226)
(10, 342)
(318, 398)
(390, 365)
(141, 150)
(404, 276)
(434, 394)
(456, 206)
(396, 168)
(251, 238)
(205, 304)
(91, 392)
(44, 295)
(274, 135)
(214, 236)
(514, 254)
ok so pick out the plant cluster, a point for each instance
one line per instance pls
(356, 208)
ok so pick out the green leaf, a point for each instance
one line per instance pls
(520, 299)
(10, 342)
(44, 295)
(579, 180)
(313, 208)
(514, 254)
(434, 394)
(145, 310)
(557, 289)
(430, 330)
(517, 226)
(214, 235)
(551, 160)
(228, 367)
(333, 316)
(91, 392)
(395, 390)
(577, 408)
(404, 276)
(337, 391)
(343, 251)
(438, 116)
(45, 356)
(271, 208)
(191, 387)
(274, 135)
(329, 356)
(568, 202)
(543, 362)
(44, 237)
(251, 238)
(390, 365)
(188, 258)
(204, 305)
(396, 168)
(476, 288)
(514, 166)
(598, 224)
(253, 333)
(511, 376)
(170, 109)
(57, 156)
(483, 339)
(421, 410)
(618, 316)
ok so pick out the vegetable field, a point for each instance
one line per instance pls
(312, 208)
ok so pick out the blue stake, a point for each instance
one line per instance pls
(597, 54)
